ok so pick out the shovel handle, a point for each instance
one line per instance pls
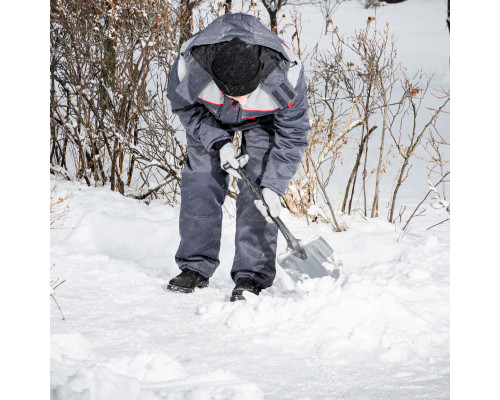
(292, 242)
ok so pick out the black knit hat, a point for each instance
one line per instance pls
(236, 68)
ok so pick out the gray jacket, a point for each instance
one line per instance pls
(279, 103)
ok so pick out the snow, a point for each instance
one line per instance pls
(381, 331)
(79, 373)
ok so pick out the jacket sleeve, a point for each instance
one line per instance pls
(197, 120)
(291, 130)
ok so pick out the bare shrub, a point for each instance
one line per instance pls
(407, 144)
(438, 168)
(359, 93)
(110, 122)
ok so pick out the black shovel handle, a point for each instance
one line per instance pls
(292, 242)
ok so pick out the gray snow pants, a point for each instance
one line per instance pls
(203, 189)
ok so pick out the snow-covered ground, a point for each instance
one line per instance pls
(382, 332)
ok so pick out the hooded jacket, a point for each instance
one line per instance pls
(279, 102)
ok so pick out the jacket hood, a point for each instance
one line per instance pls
(228, 26)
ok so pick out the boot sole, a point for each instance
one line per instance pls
(181, 289)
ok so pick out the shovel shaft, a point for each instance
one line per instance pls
(292, 242)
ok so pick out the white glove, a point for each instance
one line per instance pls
(272, 200)
(228, 154)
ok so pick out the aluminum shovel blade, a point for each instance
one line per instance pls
(321, 261)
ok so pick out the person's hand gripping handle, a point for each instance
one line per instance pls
(228, 157)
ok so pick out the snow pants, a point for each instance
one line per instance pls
(204, 186)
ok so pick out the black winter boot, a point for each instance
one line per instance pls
(243, 284)
(187, 281)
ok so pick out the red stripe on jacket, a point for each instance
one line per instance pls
(215, 104)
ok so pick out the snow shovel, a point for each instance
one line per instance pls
(312, 258)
